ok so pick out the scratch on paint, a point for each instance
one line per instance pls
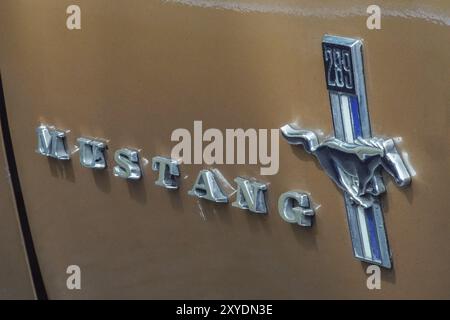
(74, 150)
(202, 214)
(145, 161)
(325, 12)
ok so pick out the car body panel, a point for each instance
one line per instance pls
(15, 276)
(139, 69)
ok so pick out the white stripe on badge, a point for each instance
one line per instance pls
(347, 119)
(364, 234)
(349, 137)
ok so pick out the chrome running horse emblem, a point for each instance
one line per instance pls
(352, 166)
(353, 159)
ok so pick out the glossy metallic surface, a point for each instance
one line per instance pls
(52, 142)
(352, 166)
(353, 159)
(128, 166)
(207, 187)
(250, 195)
(351, 122)
(295, 207)
(135, 72)
(168, 172)
(92, 153)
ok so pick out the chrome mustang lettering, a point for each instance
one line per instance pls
(352, 158)
(128, 166)
(295, 207)
(92, 153)
(168, 172)
(207, 187)
(250, 195)
(52, 142)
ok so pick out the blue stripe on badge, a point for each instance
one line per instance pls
(357, 130)
(369, 214)
(373, 237)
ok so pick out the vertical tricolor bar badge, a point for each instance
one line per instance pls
(344, 72)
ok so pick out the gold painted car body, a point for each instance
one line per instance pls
(139, 69)
(15, 276)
